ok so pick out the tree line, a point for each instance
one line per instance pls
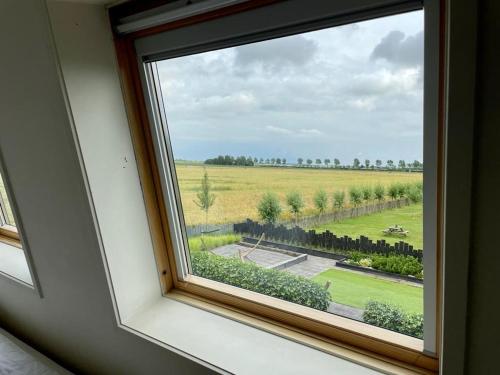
(248, 161)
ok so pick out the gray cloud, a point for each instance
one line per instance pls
(395, 48)
(276, 54)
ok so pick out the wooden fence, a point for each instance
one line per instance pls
(326, 240)
(346, 213)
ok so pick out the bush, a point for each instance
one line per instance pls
(270, 282)
(321, 201)
(379, 192)
(355, 196)
(367, 192)
(393, 191)
(296, 203)
(399, 264)
(269, 208)
(338, 199)
(402, 189)
(393, 318)
(414, 194)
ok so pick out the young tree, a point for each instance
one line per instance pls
(273, 160)
(367, 163)
(393, 191)
(326, 161)
(267, 161)
(283, 161)
(300, 161)
(296, 202)
(336, 162)
(356, 163)
(318, 161)
(367, 193)
(278, 161)
(321, 201)
(390, 163)
(379, 192)
(261, 161)
(269, 208)
(338, 199)
(255, 160)
(378, 163)
(355, 196)
(205, 198)
(309, 162)
(402, 164)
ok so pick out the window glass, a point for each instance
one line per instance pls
(6, 216)
(299, 162)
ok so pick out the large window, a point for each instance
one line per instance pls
(295, 166)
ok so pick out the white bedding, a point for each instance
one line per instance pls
(16, 358)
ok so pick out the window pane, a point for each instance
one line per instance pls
(299, 162)
(6, 216)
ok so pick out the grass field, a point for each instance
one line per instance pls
(371, 226)
(238, 189)
(356, 290)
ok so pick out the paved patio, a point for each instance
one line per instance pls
(312, 266)
(263, 258)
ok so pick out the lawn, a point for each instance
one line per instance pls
(238, 189)
(371, 226)
(354, 289)
(210, 242)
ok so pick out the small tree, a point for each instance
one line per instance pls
(273, 160)
(393, 191)
(296, 202)
(390, 163)
(338, 199)
(378, 163)
(278, 161)
(318, 161)
(321, 201)
(367, 193)
(402, 164)
(261, 161)
(327, 162)
(367, 163)
(336, 162)
(355, 196)
(283, 161)
(356, 163)
(269, 208)
(267, 161)
(379, 192)
(309, 162)
(300, 161)
(205, 198)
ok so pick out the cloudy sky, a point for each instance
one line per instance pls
(344, 92)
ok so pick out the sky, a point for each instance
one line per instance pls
(353, 91)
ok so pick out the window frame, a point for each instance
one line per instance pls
(145, 123)
(8, 232)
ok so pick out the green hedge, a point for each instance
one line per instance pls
(400, 264)
(271, 282)
(393, 318)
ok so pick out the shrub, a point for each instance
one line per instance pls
(269, 208)
(355, 196)
(252, 277)
(399, 264)
(296, 203)
(402, 189)
(338, 199)
(208, 242)
(379, 192)
(320, 201)
(393, 191)
(414, 194)
(367, 192)
(393, 318)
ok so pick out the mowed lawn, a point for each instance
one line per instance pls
(239, 189)
(371, 226)
(354, 289)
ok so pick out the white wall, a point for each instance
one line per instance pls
(74, 322)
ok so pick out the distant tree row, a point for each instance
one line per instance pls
(231, 160)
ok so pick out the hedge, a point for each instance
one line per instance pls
(271, 282)
(400, 264)
(393, 318)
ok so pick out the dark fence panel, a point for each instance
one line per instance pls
(326, 239)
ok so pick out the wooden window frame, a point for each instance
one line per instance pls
(376, 342)
(8, 233)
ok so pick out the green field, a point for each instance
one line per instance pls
(239, 189)
(353, 289)
(371, 226)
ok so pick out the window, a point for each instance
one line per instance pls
(293, 157)
(8, 231)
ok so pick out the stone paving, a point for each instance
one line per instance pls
(346, 311)
(312, 266)
(263, 258)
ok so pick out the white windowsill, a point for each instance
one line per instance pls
(228, 345)
(13, 264)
